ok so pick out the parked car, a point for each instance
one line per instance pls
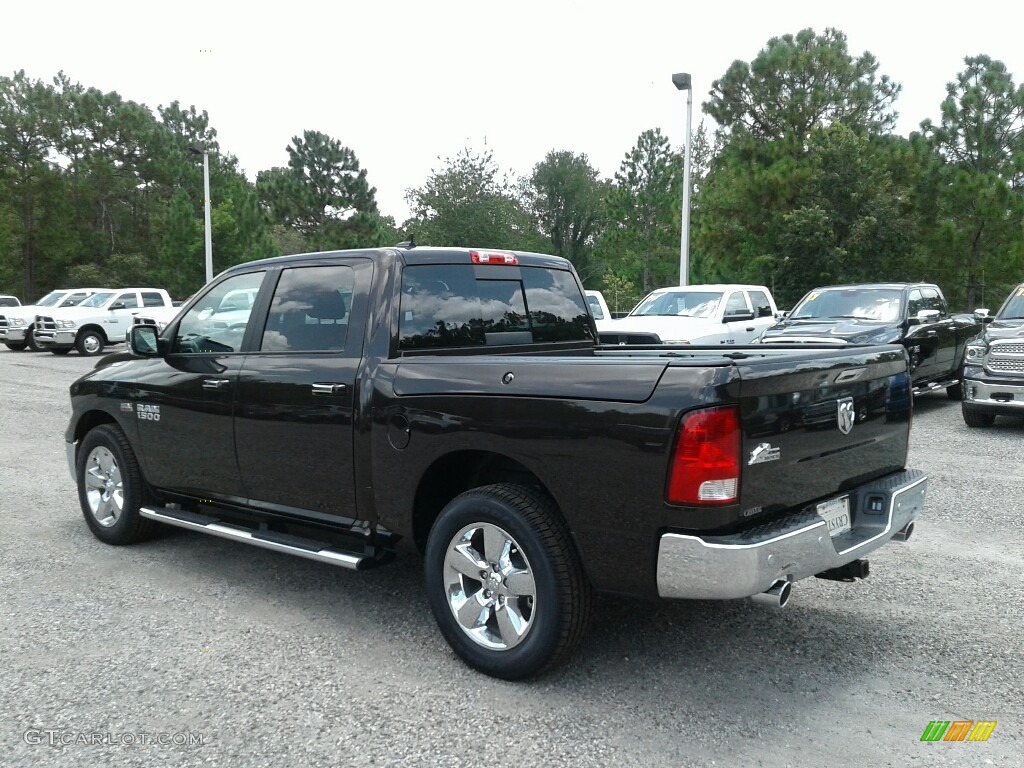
(100, 320)
(914, 315)
(994, 366)
(17, 325)
(455, 403)
(696, 314)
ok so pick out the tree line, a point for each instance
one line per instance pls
(801, 183)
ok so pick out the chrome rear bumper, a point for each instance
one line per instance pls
(791, 548)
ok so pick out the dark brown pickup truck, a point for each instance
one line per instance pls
(455, 403)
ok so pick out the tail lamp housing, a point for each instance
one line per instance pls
(705, 467)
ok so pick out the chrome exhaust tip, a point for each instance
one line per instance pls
(777, 595)
(905, 534)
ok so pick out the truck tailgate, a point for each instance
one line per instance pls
(813, 428)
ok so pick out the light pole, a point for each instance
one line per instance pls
(681, 80)
(196, 149)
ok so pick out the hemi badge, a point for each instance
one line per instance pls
(850, 375)
(764, 452)
(126, 408)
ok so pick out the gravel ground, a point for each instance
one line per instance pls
(275, 661)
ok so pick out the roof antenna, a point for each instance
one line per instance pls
(410, 243)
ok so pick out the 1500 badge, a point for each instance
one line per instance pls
(147, 412)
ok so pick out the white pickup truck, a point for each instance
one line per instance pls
(17, 323)
(100, 320)
(695, 314)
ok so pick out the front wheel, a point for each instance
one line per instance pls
(505, 583)
(973, 418)
(15, 346)
(30, 341)
(90, 343)
(110, 487)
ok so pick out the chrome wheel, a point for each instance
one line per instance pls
(490, 586)
(104, 489)
(91, 344)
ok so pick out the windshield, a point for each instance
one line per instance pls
(97, 300)
(678, 304)
(881, 305)
(1013, 309)
(50, 299)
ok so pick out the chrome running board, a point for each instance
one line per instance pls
(276, 542)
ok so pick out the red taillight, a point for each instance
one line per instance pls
(493, 257)
(706, 463)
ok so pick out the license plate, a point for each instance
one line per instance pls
(836, 513)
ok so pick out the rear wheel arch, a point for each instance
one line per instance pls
(457, 472)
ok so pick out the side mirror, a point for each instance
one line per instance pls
(116, 305)
(735, 317)
(144, 341)
(928, 315)
(982, 315)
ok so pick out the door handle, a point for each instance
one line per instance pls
(215, 383)
(327, 388)
(751, 328)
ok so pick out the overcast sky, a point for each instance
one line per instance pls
(406, 84)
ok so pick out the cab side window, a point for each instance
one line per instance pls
(130, 300)
(915, 303)
(205, 329)
(762, 307)
(737, 304)
(309, 311)
(932, 300)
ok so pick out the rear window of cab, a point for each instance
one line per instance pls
(465, 305)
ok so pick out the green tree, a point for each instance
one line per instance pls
(566, 196)
(322, 194)
(979, 182)
(797, 83)
(841, 212)
(619, 292)
(470, 203)
(30, 183)
(644, 214)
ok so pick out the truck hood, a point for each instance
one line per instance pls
(1004, 329)
(675, 327)
(25, 311)
(69, 313)
(836, 330)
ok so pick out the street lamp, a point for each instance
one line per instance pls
(681, 80)
(197, 149)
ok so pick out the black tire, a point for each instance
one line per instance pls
(90, 343)
(15, 346)
(30, 341)
(538, 544)
(975, 418)
(107, 467)
(60, 350)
